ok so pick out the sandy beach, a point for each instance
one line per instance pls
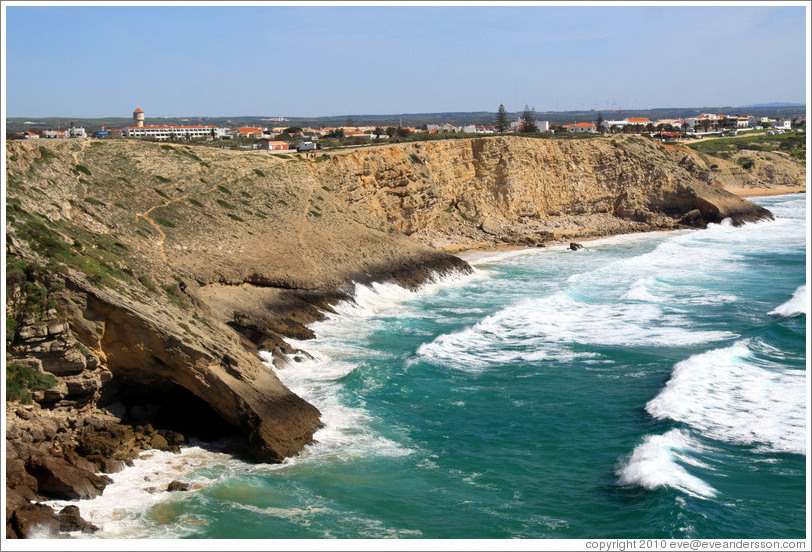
(763, 192)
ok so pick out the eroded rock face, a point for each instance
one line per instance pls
(509, 187)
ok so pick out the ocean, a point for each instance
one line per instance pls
(647, 386)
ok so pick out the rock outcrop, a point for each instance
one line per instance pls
(509, 189)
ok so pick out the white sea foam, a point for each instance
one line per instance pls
(730, 395)
(125, 508)
(796, 305)
(543, 329)
(349, 431)
(657, 462)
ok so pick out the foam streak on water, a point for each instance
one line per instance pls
(546, 328)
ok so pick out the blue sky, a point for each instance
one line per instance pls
(99, 61)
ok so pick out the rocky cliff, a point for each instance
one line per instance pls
(143, 277)
(522, 190)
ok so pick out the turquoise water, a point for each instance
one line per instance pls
(649, 386)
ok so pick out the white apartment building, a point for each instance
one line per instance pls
(165, 132)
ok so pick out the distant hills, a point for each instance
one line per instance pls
(773, 104)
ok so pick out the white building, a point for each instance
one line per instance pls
(477, 129)
(54, 134)
(165, 132)
(543, 126)
(743, 122)
(617, 125)
(76, 132)
(581, 127)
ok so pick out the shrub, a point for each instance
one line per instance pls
(81, 169)
(259, 172)
(146, 281)
(226, 204)
(162, 179)
(746, 162)
(45, 154)
(224, 190)
(164, 222)
(21, 381)
(415, 158)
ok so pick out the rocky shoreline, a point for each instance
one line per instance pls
(143, 281)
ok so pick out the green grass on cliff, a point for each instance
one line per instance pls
(793, 143)
(21, 381)
(62, 244)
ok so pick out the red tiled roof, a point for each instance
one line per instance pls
(583, 125)
(138, 110)
(638, 120)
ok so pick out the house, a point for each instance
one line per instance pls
(639, 121)
(76, 132)
(477, 129)
(614, 125)
(358, 134)
(28, 135)
(272, 145)
(251, 132)
(54, 134)
(674, 123)
(784, 124)
(581, 127)
(743, 121)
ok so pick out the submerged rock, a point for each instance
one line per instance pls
(177, 486)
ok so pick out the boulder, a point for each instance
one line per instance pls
(59, 479)
(35, 520)
(70, 520)
(158, 441)
(177, 486)
(575, 246)
(117, 409)
(693, 218)
(64, 363)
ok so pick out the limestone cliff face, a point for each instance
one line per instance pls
(766, 169)
(170, 265)
(462, 186)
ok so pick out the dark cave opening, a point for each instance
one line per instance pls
(168, 406)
